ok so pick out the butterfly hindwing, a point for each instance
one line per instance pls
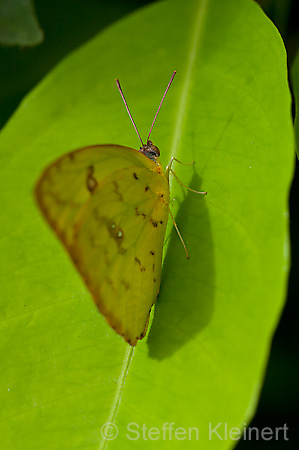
(118, 246)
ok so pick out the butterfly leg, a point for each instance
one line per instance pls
(178, 232)
(170, 170)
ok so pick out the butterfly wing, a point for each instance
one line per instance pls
(113, 226)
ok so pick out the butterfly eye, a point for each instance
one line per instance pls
(157, 151)
(150, 150)
(153, 148)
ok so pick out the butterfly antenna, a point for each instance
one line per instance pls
(126, 105)
(166, 90)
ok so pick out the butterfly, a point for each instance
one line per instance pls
(109, 206)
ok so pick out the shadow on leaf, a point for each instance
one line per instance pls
(185, 303)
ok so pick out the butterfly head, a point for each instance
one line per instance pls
(150, 150)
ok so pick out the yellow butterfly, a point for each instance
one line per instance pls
(109, 206)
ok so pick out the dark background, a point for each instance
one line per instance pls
(69, 23)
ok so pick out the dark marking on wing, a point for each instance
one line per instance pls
(116, 190)
(146, 188)
(139, 213)
(91, 182)
(126, 285)
(116, 233)
(110, 283)
(142, 268)
(135, 176)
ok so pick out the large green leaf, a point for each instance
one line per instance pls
(64, 372)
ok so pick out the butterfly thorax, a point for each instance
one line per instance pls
(151, 151)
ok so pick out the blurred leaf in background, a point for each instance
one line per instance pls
(19, 24)
(67, 24)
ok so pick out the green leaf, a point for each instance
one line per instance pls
(65, 373)
(295, 83)
(18, 23)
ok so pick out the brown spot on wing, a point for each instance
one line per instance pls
(117, 192)
(115, 231)
(110, 283)
(154, 223)
(139, 213)
(126, 285)
(117, 234)
(142, 268)
(91, 182)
